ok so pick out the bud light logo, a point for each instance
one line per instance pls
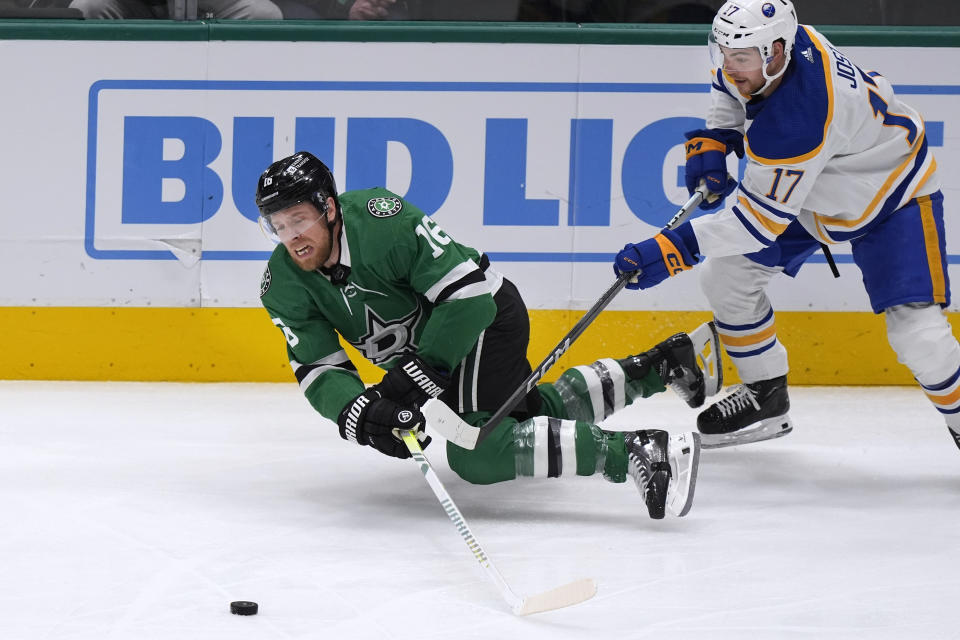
(173, 165)
(768, 10)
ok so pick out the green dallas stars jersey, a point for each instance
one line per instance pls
(411, 289)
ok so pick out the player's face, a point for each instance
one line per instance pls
(745, 67)
(304, 231)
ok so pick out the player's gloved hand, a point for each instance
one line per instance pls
(656, 259)
(707, 151)
(412, 382)
(370, 419)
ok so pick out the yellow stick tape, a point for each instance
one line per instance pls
(241, 345)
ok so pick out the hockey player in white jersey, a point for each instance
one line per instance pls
(833, 155)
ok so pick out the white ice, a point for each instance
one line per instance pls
(139, 511)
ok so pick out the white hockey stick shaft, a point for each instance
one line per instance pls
(563, 596)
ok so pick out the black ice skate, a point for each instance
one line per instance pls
(751, 413)
(664, 469)
(687, 363)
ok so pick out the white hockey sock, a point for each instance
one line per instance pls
(924, 342)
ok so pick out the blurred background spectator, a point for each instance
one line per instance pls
(612, 11)
(134, 9)
(37, 9)
(345, 9)
(817, 12)
(448, 10)
(505, 10)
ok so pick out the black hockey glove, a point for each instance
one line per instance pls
(412, 382)
(370, 419)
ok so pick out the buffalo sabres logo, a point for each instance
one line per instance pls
(265, 281)
(384, 207)
(768, 10)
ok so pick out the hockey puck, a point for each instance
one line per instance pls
(244, 608)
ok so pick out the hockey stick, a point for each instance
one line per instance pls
(563, 596)
(448, 424)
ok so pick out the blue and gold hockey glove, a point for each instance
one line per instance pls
(707, 151)
(656, 259)
(369, 419)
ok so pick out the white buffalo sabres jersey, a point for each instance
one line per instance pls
(832, 146)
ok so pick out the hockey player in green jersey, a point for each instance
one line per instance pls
(373, 268)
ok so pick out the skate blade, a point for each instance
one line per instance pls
(955, 435)
(706, 344)
(682, 499)
(764, 430)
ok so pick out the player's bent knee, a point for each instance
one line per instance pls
(922, 339)
(492, 461)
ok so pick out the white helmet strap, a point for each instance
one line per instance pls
(770, 78)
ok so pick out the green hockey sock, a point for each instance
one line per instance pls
(592, 393)
(547, 447)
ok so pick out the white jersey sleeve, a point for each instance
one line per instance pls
(832, 147)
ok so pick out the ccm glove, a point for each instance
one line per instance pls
(654, 260)
(707, 151)
(371, 420)
(412, 382)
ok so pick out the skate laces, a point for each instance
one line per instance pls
(682, 381)
(742, 397)
(643, 467)
(640, 475)
(680, 377)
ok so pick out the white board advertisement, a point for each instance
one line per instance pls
(130, 166)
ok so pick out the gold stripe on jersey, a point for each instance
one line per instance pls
(926, 176)
(828, 79)
(931, 238)
(773, 227)
(888, 185)
(821, 231)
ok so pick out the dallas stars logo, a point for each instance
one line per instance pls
(386, 339)
(265, 281)
(384, 207)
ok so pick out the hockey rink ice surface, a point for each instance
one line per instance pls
(136, 511)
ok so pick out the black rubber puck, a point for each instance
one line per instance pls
(244, 608)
